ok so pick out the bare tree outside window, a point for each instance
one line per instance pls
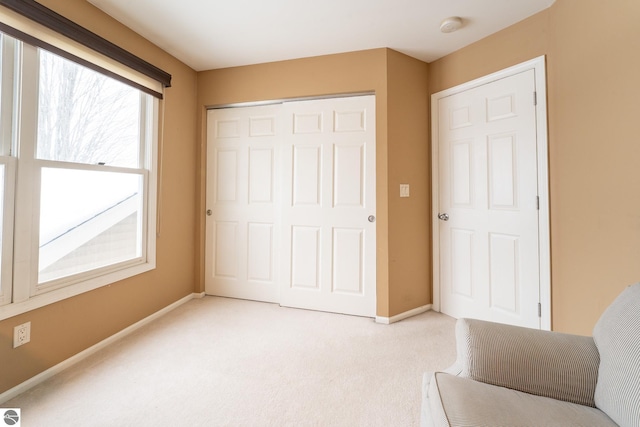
(86, 117)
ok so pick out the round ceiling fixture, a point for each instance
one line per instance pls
(451, 24)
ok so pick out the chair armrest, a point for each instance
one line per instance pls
(551, 364)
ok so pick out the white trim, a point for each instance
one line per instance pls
(544, 236)
(54, 370)
(544, 221)
(6, 242)
(402, 316)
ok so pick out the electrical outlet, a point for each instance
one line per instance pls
(21, 334)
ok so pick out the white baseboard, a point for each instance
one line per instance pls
(402, 316)
(33, 381)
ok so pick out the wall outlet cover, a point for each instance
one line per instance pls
(21, 334)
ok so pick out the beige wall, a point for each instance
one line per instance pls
(58, 331)
(594, 126)
(408, 160)
(399, 82)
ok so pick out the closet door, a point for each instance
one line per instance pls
(291, 200)
(328, 206)
(242, 203)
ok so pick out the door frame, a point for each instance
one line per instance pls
(544, 236)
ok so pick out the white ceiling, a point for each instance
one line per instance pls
(210, 34)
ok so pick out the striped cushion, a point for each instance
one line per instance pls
(617, 336)
(549, 364)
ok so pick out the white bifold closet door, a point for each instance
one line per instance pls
(291, 204)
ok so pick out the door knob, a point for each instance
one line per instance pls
(444, 216)
(371, 218)
(209, 212)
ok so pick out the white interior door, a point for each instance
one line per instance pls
(488, 202)
(243, 201)
(328, 211)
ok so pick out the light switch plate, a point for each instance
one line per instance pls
(404, 190)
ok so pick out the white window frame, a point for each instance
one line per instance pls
(25, 292)
(8, 123)
(6, 250)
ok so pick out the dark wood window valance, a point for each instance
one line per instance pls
(58, 23)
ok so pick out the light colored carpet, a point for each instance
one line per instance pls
(225, 362)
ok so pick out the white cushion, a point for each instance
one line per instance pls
(462, 402)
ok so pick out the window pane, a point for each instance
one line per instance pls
(1, 73)
(88, 220)
(86, 117)
(3, 286)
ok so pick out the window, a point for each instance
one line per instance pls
(77, 166)
(89, 217)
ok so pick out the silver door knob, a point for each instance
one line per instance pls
(209, 212)
(444, 216)
(372, 218)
